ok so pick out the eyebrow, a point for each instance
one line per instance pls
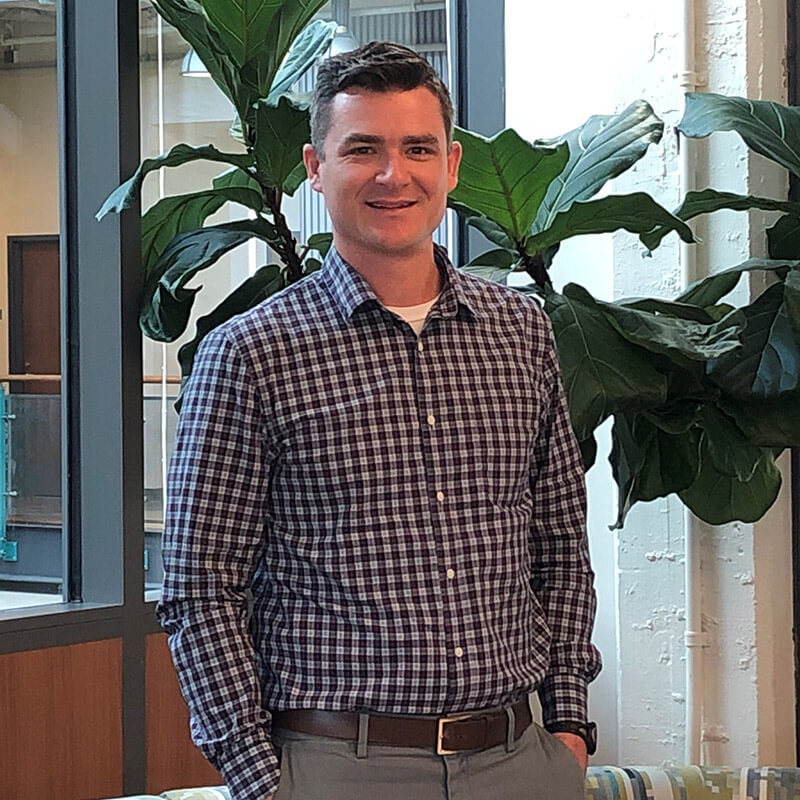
(367, 138)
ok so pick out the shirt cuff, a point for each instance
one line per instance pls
(250, 767)
(564, 698)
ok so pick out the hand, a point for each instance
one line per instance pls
(577, 745)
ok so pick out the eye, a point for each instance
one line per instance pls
(361, 150)
(421, 150)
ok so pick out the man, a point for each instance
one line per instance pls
(380, 457)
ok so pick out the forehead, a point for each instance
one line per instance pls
(397, 113)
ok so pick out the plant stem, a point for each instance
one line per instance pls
(534, 266)
(286, 248)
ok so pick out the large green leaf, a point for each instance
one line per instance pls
(321, 242)
(726, 445)
(190, 19)
(491, 230)
(290, 19)
(717, 498)
(791, 299)
(669, 308)
(126, 193)
(263, 283)
(242, 25)
(506, 178)
(603, 373)
(708, 291)
(783, 238)
(588, 449)
(649, 462)
(768, 362)
(187, 212)
(710, 200)
(771, 129)
(636, 212)
(307, 47)
(767, 423)
(167, 303)
(672, 336)
(281, 132)
(493, 265)
(602, 148)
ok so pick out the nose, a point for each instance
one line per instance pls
(392, 171)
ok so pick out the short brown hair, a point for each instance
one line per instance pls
(376, 67)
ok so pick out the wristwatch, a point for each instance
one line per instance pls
(586, 730)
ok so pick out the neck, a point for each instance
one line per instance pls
(398, 280)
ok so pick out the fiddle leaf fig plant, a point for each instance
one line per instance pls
(255, 51)
(704, 395)
(529, 197)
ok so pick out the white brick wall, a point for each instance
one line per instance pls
(565, 62)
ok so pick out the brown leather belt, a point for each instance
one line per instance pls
(478, 730)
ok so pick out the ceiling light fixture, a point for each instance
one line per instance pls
(193, 67)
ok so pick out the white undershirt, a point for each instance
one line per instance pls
(414, 315)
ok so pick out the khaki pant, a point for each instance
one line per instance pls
(319, 768)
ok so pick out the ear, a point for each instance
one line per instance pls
(453, 163)
(313, 162)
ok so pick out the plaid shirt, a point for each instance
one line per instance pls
(408, 513)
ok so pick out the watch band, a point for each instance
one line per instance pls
(586, 730)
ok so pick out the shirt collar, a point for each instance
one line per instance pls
(350, 290)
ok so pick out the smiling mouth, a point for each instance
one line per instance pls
(390, 205)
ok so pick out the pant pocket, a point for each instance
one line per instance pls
(285, 786)
(565, 770)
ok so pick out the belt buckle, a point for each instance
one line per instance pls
(440, 751)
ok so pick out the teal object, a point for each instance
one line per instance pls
(8, 550)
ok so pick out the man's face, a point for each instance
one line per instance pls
(385, 172)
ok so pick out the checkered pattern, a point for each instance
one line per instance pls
(408, 513)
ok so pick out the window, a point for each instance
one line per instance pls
(180, 104)
(31, 523)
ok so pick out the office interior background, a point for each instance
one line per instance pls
(89, 705)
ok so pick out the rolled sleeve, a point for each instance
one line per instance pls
(213, 540)
(560, 565)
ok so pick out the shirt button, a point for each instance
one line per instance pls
(440, 496)
(420, 346)
(431, 419)
(459, 652)
(451, 573)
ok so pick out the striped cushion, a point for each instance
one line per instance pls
(643, 783)
(692, 783)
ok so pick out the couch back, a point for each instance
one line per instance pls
(635, 783)
(692, 783)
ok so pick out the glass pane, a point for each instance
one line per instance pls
(180, 107)
(31, 533)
